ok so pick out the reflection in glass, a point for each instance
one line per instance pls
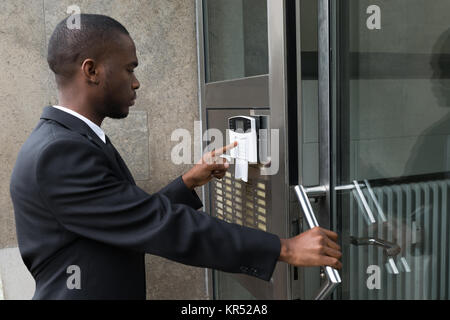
(236, 43)
(411, 247)
(393, 138)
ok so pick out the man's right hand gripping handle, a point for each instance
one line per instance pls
(315, 247)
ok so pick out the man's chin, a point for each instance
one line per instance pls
(120, 115)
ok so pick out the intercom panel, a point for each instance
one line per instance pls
(246, 202)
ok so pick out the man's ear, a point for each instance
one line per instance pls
(90, 71)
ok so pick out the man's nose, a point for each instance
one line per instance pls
(136, 84)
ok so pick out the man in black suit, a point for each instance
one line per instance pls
(83, 226)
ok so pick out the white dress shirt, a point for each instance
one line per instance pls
(92, 125)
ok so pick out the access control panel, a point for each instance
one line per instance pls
(244, 130)
(251, 134)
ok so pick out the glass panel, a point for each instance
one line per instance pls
(392, 125)
(309, 92)
(230, 288)
(236, 44)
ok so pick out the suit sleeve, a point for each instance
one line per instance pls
(178, 192)
(89, 200)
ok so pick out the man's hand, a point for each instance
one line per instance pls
(210, 165)
(315, 247)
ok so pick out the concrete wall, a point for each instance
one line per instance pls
(164, 33)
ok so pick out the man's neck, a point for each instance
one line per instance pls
(84, 111)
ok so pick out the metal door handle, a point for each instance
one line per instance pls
(333, 277)
(360, 195)
(390, 250)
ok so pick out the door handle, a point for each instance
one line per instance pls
(390, 250)
(333, 277)
(360, 195)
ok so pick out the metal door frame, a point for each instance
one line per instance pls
(279, 114)
(328, 93)
(324, 203)
(324, 110)
(276, 82)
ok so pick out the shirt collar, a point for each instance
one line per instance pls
(98, 131)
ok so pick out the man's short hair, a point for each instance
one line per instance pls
(68, 48)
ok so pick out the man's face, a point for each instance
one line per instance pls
(119, 81)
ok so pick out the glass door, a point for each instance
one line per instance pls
(390, 146)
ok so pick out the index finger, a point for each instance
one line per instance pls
(224, 149)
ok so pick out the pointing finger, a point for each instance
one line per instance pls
(223, 150)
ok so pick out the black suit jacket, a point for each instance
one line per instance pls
(77, 206)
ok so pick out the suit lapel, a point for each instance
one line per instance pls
(73, 123)
(120, 161)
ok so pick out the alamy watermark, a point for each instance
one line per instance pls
(374, 20)
(74, 280)
(374, 278)
(74, 20)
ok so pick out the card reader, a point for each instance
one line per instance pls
(244, 130)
